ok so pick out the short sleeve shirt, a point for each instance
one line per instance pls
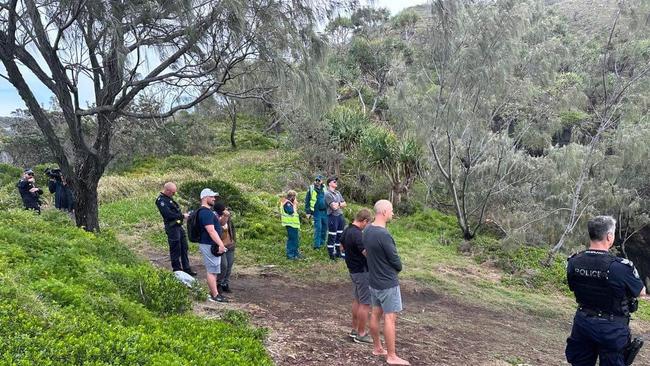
(333, 196)
(623, 277)
(208, 217)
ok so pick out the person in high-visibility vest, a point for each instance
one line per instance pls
(291, 220)
(315, 206)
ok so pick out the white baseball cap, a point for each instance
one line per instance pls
(207, 192)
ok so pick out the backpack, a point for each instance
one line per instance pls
(193, 226)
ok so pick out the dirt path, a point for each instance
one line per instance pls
(308, 324)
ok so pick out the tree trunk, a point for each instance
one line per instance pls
(87, 174)
(396, 194)
(233, 128)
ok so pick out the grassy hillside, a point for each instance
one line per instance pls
(428, 241)
(71, 296)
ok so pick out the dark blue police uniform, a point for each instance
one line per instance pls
(604, 286)
(31, 200)
(173, 219)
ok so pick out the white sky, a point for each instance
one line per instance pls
(10, 100)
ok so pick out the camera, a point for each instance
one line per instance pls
(53, 173)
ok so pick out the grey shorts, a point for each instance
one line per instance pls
(212, 263)
(389, 300)
(360, 287)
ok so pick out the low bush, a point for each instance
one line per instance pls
(432, 220)
(229, 193)
(522, 264)
(72, 297)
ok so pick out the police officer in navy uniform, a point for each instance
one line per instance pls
(606, 289)
(29, 193)
(173, 219)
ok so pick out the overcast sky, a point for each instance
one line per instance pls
(10, 101)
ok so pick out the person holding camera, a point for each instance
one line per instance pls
(63, 194)
(606, 288)
(30, 194)
(291, 220)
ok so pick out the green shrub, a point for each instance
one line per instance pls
(432, 220)
(522, 264)
(178, 162)
(72, 297)
(230, 194)
(157, 290)
(9, 174)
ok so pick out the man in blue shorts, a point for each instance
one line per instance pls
(355, 259)
(383, 266)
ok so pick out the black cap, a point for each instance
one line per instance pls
(332, 179)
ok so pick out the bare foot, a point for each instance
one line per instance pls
(379, 352)
(397, 361)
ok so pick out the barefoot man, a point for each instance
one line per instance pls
(385, 296)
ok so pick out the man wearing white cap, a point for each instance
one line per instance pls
(210, 234)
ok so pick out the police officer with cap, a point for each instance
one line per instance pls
(30, 194)
(606, 288)
(173, 219)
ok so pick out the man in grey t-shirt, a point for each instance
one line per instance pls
(335, 220)
(383, 266)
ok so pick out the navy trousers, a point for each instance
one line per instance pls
(177, 247)
(594, 337)
(335, 225)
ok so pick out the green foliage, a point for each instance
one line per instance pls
(572, 117)
(229, 193)
(428, 220)
(346, 127)
(9, 174)
(72, 297)
(523, 264)
(158, 290)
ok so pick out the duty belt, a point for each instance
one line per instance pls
(600, 314)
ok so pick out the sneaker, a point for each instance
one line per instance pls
(363, 339)
(218, 298)
(333, 258)
(225, 288)
(353, 334)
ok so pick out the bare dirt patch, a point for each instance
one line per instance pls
(308, 323)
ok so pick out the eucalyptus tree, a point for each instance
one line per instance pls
(181, 52)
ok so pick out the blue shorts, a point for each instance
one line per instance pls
(389, 300)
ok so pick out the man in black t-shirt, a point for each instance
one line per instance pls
(355, 259)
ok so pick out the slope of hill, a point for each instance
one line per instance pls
(71, 295)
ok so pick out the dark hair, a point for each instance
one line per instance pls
(363, 215)
(219, 207)
(600, 226)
